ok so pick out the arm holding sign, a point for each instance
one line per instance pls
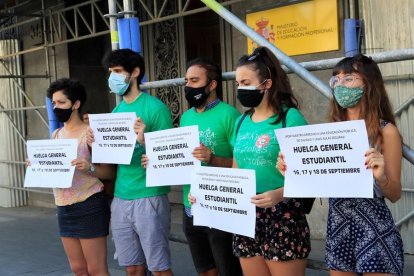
(386, 166)
(90, 138)
(359, 93)
(260, 80)
(267, 199)
(139, 128)
(192, 199)
(81, 165)
(205, 155)
(144, 161)
(91, 218)
(281, 165)
(101, 171)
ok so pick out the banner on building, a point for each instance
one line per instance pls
(304, 28)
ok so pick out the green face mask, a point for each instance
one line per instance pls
(348, 96)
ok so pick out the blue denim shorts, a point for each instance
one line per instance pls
(85, 220)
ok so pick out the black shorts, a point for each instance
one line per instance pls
(282, 234)
(86, 219)
(211, 248)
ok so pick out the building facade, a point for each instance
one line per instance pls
(43, 40)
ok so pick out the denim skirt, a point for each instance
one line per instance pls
(85, 220)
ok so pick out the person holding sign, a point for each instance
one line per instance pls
(82, 210)
(140, 220)
(282, 241)
(361, 236)
(109, 184)
(211, 249)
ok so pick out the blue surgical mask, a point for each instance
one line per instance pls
(117, 83)
(348, 96)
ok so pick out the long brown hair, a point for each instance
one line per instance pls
(264, 62)
(375, 104)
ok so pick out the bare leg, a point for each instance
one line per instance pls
(163, 273)
(287, 268)
(135, 270)
(254, 266)
(77, 261)
(95, 253)
(211, 272)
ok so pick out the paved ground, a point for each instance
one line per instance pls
(29, 245)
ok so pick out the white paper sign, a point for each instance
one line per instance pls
(326, 160)
(115, 138)
(170, 161)
(223, 199)
(51, 163)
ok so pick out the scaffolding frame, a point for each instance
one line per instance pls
(68, 24)
(59, 20)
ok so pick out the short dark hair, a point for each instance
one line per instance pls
(127, 59)
(213, 72)
(71, 88)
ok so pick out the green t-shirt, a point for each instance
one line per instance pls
(130, 181)
(256, 147)
(216, 127)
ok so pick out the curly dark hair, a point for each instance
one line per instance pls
(71, 88)
(127, 59)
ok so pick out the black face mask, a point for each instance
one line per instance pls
(196, 96)
(62, 114)
(250, 97)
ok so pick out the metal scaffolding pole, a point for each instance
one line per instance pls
(404, 106)
(26, 190)
(21, 136)
(21, 90)
(45, 37)
(322, 87)
(113, 16)
(24, 76)
(408, 153)
(23, 108)
(317, 65)
(383, 57)
(61, 14)
(404, 219)
(113, 28)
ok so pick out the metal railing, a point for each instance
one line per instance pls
(290, 66)
(382, 57)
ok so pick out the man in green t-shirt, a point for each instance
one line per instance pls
(211, 249)
(140, 215)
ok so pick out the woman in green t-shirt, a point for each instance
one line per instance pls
(282, 241)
